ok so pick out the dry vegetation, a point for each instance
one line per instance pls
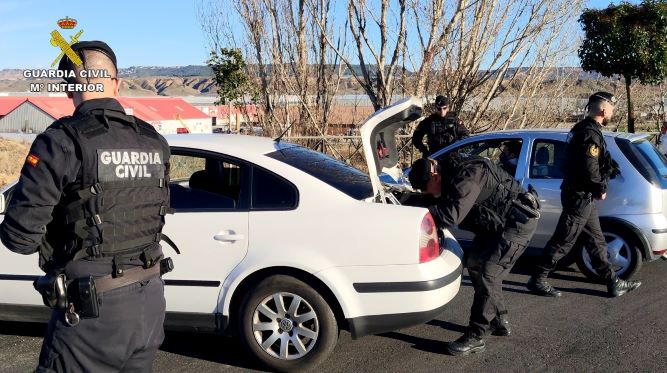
(12, 154)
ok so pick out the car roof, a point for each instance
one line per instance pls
(632, 137)
(229, 143)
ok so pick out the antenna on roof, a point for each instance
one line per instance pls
(277, 139)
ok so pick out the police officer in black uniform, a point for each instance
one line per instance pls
(479, 196)
(587, 168)
(91, 200)
(440, 128)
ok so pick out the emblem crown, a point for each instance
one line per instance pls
(67, 23)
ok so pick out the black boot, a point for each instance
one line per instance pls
(540, 286)
(618, 287)
(501, 326)
(467, 344)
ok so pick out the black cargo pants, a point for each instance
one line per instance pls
(124, 338)
(579, 220)
(488, 262)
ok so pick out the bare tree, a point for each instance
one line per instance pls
(493, 44)
(377, 70)
(492, 57)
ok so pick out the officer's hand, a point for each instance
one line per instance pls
(602, 196)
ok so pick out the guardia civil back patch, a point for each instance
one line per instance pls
(129, 164)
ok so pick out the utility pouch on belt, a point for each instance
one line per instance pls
(53, 289)
(84, 296)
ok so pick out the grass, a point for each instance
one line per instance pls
(12, 156)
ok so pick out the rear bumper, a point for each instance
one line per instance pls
(373, 324)
(651, 229)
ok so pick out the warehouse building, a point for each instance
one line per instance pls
(33, 114)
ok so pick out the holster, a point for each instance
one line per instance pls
(53, 289)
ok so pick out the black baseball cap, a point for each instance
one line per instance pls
(96, 45)
(441, 101)
(420, 173)
(602, 96)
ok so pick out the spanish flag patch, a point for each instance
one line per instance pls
(32, 160)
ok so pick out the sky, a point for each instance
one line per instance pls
(141, 32)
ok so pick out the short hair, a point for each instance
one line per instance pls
(596, 107)
(420, 173)
(95, 55)
(94, 60)
(514, 146)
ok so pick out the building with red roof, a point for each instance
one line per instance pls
(33, 114)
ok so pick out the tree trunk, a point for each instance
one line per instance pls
(631, 114)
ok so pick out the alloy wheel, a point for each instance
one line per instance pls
(285, 326)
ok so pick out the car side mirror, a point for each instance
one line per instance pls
(3, 204)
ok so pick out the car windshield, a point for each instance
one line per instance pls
(339, 175)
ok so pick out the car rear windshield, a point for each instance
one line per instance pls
(339, 175)
(647, 160)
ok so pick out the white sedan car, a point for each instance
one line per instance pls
(284, 246)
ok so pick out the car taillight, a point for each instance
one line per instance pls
(429, 246)
(182, 130)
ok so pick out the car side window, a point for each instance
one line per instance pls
(271, 192)
(199, 182)
(490, 149)
(487, 148)
(546, 159)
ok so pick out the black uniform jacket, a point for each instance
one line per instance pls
(440, 132)
(585, 152)
(459, 194)
(51, 170)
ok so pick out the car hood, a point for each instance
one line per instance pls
(378, 136)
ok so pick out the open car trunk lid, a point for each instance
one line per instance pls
(378, 136)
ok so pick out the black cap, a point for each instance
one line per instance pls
(602, 96)
(420, 173)
(441, 101)
(66, 63)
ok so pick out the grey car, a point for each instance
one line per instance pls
(633, 215)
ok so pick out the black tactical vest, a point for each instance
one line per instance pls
(442, 132)
(118, 209)
(490, 211)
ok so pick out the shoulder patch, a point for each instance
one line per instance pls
(593, 151)
(32, 160)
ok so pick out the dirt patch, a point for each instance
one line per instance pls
(12, 156)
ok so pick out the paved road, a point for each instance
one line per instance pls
(582, 331)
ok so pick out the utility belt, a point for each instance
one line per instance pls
(79, 297)
(576, 192)
(521, 212)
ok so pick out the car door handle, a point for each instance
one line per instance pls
(228, 237)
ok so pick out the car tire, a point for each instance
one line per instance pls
(622, 245)
(296, 341)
